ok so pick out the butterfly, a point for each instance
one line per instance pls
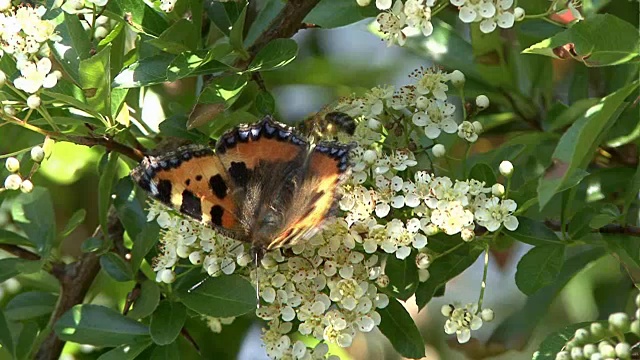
(262, 184)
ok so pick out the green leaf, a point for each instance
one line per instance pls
(9, 237)
(129, 208)
(26, 339)
(100, 326)
(126, 352)
(591, 45)
(274, 55)
(180, 37)
(34, 214)
(167, 321)
(403, 276)
(539, 267)
(116, 267)
(74, 46)
(105, 185)
(166, 352)
(222, 296)
(265, 103)
(144, 242)
(236, 35)
(555, 342)
(446, 267)
(533, 232)
(6, 338)
(94, 244)
(195, 63)
(224, 90)
(95, 80)
(10, 267)
(76, 219)
(147, 71)
(139, 16)
(147, 302)
(516, 330)
(632, 190)
(608, 214)
(576, 147)
(396, 324)
(335, 13)
(571, 114)
(29, 305)
(483, 172)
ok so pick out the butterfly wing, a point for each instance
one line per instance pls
(193, 180)
(313, 201)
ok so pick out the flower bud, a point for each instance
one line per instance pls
(423, 260)
(457, 78)
(5, 5)
(582, 336)
(482, 101)
(597, 330)
(384, 4)
(576, 353)
(497, 190)
(33, 101)
(589, 350)
(167, 276)
(477, 126)
(12, 164)
(563, 355)
(506, 168)
(195, 257)
(620, 322)
(635, 327)
(9, 110)
(370, 156)
(373, 124)
(623, 350)
(101, 32)
(638, 301)
(487, 315)
(518, 13)
(37, 154)
(423, 275)
(438, 150)
(382, 281)
(363, 2)
(26, 186)
(12, 182)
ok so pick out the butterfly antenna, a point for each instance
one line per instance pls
(198, 284)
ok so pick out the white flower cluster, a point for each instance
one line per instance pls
(24, 35)
(461, 320)
(412, 17)
(489, 13)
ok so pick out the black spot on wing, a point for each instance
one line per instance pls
(198, 177)
(216, 215)
(218, 186)
(164, 191)
(187, 182)
(191, 205)
(239, 173)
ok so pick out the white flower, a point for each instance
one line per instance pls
(419, 15)
(467, 131)
(431, 81)
(392, 24)
(461, 320)
(495, 213)
(35, 75)
(436, 118)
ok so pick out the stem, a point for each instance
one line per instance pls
(483, 285)
(448, 251)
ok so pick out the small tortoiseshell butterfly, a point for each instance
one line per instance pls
(264, 184)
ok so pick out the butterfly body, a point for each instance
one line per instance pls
(264, 184)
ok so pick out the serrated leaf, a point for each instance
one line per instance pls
(403, 276)
(222, 296)
(396, 324)
(74, 46)
(586, 42)
(167, 321)
(76, 219)
(116, 267)
(99, 326)
(95, 80)
(576, 147)
(276, 54)
(126, 352)
(33, 212)
(29, 305)
(105, 186)
(147, 302)
(533, 232)
(539, 267)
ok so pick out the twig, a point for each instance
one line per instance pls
(110, 144)
(19, 252)
(607, 229)
(75, 280)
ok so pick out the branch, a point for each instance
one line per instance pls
(19, 252)
(75, 280)
(607, 229)
(284, 25)
(110, 144)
